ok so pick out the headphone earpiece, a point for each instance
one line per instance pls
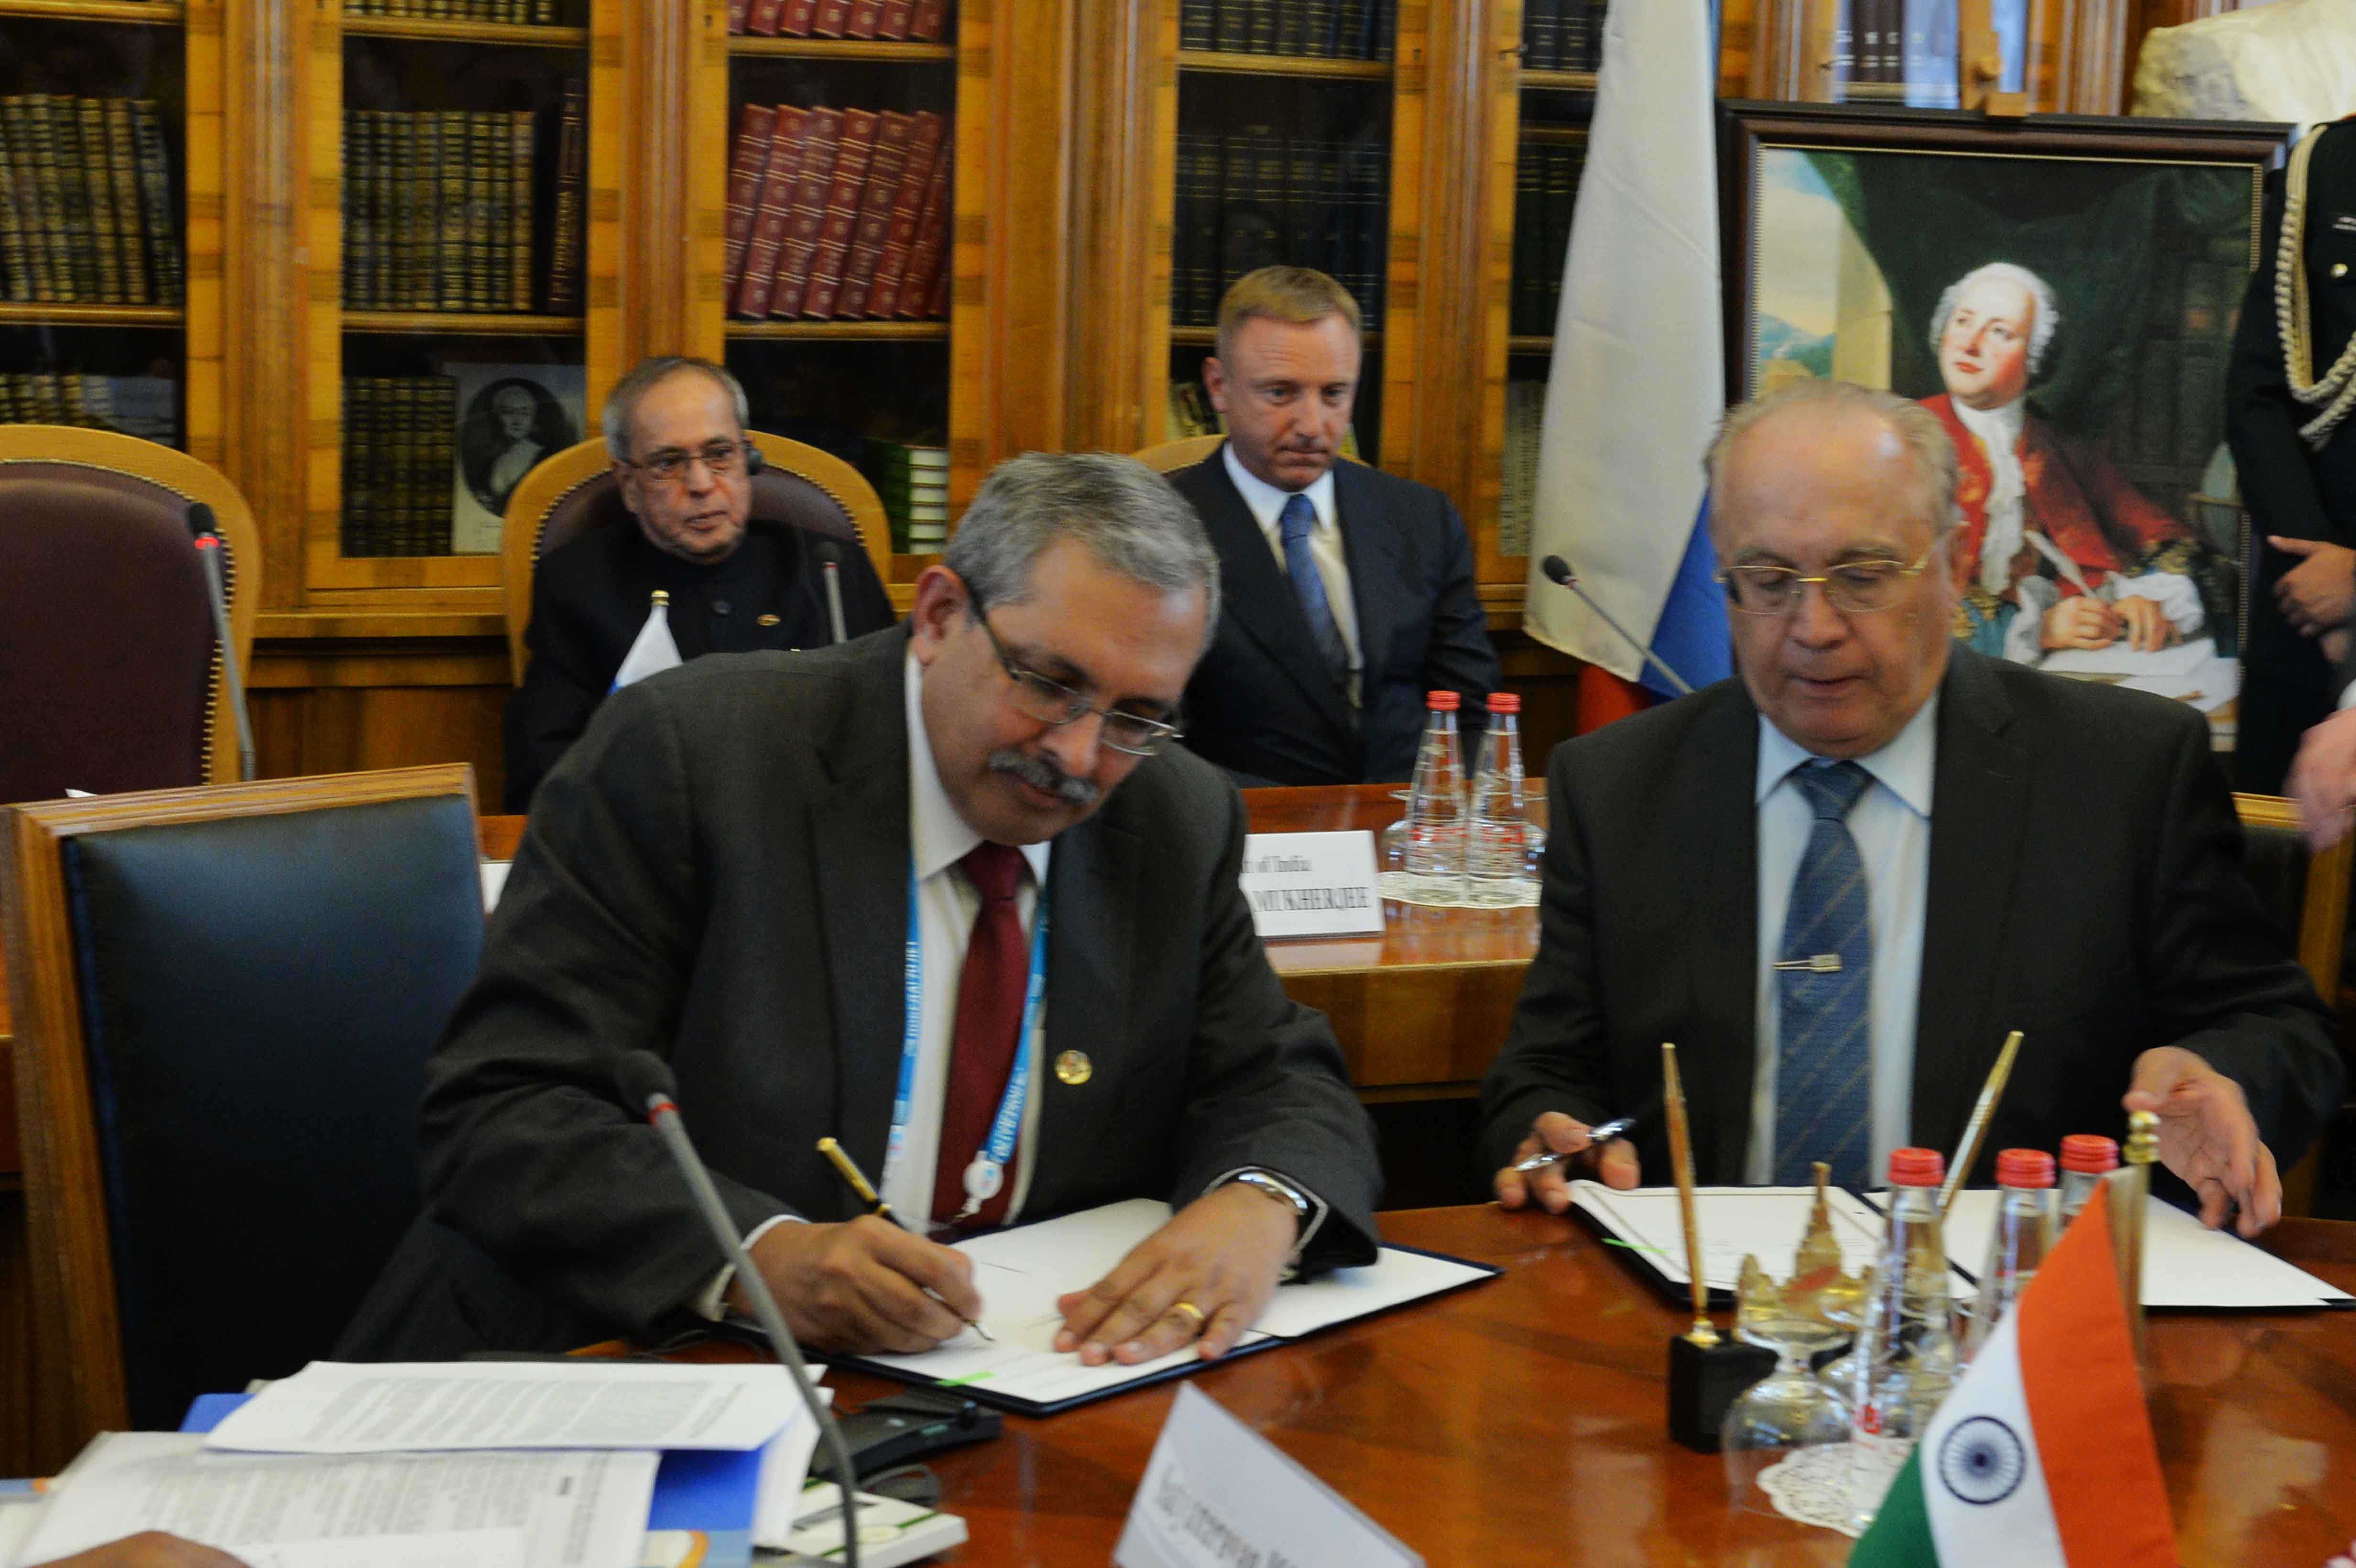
(755, 459)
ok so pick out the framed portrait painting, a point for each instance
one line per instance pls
(2061, 291)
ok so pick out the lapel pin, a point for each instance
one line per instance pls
(1074, 1067)
(764, 619)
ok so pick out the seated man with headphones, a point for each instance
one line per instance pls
(675, 427)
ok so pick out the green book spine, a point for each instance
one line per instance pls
(436, 479)
(518, 216)
(73, 181)
(43, 206)
(450, 251)
(486, 240)
(568, 228)
(417, 152)
(355, 210)
(16, 262)
(164, 260)
(122, 165)
(98, 182)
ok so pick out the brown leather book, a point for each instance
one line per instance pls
(865, 16)
(797, 16)
(894, 138)
(765, 16)
(842, 197)
(821, 141)
(756, 275)
(930, 17)
(737, 17)
(891, 19)
(831, 18)
(932, 239)
(746, 163)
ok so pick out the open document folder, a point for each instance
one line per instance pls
(1021, 1272)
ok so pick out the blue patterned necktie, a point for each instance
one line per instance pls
(1824, 1060)
(1298, 517)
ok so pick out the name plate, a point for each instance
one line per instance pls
(1312, 884)
(1218, 1495)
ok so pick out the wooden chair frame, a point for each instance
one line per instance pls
(1170, 456)
(192, 480)
(80, 1386)
(2322, 929)
(539, 491)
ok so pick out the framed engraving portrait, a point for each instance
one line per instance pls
(2061, 291)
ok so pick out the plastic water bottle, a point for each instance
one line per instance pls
(1906, 1340)
(1434, 854)
(1496, 846)
(2084, 1159)
(2023, 1234)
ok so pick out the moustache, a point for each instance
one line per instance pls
(1041, 775)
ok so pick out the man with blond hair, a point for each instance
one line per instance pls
(1349, 590)
(1838, 879)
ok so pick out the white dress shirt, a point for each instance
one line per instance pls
(1891, 825)
(1266, 504)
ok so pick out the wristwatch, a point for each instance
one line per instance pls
(1283, 1191)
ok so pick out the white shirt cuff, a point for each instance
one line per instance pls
(1317, 1206)
(712, 1302)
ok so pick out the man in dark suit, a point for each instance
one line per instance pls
(2300, 488)
(1761, 863)
(733, 868)
(1349, 592)
(675, 427)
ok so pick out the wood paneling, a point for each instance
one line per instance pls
(358, 706)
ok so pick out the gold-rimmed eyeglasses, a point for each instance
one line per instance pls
(720, 458)
(1853, 585)
(1052, 703)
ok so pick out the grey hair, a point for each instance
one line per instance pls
(1930, 452)
(1128, 516)
(622, 402)
(2040, 332)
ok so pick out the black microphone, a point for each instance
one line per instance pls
(830, 555)
(648, 1087)
(1558, 571)
(210, 546)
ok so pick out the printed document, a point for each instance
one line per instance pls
(2185, 1264)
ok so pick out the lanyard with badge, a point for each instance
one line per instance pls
(987, 1172)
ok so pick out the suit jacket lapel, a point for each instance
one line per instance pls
(1370, 548)
(1978, 811)
(1091, 938)
(1260, 603)
(1719, 883)
(859, 838)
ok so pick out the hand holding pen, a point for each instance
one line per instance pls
(1559, 1146)
(864, 1191)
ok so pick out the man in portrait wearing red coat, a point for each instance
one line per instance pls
(2057, 550)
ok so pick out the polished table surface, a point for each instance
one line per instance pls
(1522, 1421)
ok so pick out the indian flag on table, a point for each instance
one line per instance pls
(2043, 1453)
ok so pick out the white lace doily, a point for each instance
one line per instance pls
(1400, 887)
(1811, 1485)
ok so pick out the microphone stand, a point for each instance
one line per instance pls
(1558, 571)
(209, 545)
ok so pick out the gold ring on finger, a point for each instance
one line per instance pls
(1191, 1310)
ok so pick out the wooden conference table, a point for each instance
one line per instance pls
(1420, 1010)
(1522, 1421)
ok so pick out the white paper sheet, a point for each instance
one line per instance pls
(334, 1407)
(2185, 1265)
(1766, 1223)
(784, 1467)
(570, 1509)
(453, 1549)
(494, 882)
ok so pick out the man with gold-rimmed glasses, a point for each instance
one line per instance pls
(735, 583)
(946, 894)
(1838, 879)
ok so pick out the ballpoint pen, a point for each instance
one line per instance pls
(1601, 1134)
(856, 1179)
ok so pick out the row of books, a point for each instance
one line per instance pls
(442, 209)
(920, 21)
(1253, 199)
(1562, 35)
(143, 406)
(1517, 499)
(914, 481)
(399, 437)
(86, 202)
(518, 13)
(1546, 189)
(1312, 29)
(1877, 45)
(838, 214)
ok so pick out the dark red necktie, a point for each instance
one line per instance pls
(986, 1033)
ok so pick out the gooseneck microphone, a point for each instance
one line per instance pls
(830, 554)
(647, 1085)
(1558, 571)
(210, 548)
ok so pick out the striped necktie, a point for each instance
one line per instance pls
(1299, 516)
(1824, 1060)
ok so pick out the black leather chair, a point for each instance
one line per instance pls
(225, 999)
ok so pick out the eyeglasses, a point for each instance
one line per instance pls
(720, 459)
(1855, 585)
(1052, 703)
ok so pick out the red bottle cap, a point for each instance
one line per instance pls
(1504, 703)
(1917, 1168)
(2090, 1152)
(1444, 702)
(2024, 1168)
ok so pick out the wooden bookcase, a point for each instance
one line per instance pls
(165, 56)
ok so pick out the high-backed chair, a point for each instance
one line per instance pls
(2309, 893)
(224, 999)
(575, 491)
(1187, 451)
(113, 675)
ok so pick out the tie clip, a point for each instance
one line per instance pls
(1822, 964)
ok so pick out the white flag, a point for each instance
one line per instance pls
(654, 652)
(1638, 380)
